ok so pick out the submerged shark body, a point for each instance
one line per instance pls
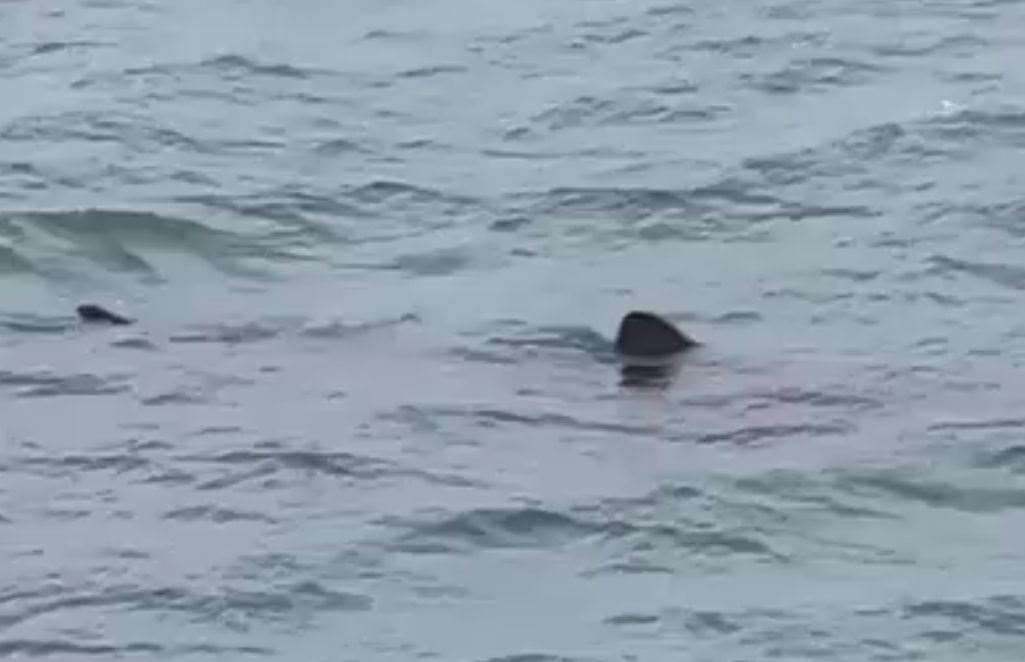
(649, 347)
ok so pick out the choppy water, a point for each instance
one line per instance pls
(377, 250)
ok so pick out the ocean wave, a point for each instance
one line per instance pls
(47, 383)
(119, 240)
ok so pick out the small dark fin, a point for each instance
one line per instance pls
(90, 312)
(646, 334)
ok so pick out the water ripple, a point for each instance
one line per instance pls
(114, 239)
(1002, 615)
(754, 434)
(802, 76)
(138, 132)
(1006, 275)
(489, 417)
(216, 515)
(935, 493)
(574, 338)
(49, 647)
(492, 528)
(47, 384)
(327, 463)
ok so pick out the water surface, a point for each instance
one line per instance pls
(378, 251)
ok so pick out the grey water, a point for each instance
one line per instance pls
(377, 252)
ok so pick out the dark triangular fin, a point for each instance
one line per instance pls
(90, 312)
(646, 334)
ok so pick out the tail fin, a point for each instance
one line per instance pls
(90, 312)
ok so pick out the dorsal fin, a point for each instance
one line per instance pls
(646, 334)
